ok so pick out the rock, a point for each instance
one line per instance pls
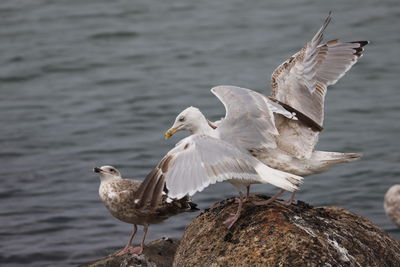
(280, 235)
(158, 253)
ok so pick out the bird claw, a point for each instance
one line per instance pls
(237, 200)
(288, 202)
(131, 250)
(263, 203)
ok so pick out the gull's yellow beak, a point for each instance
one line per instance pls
(168, 134)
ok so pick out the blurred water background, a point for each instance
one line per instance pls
(90, 83)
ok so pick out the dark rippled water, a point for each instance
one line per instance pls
(89, 83)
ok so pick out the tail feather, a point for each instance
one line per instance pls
(284, 180)
(336, 157)
(322, 161)
(176, 206)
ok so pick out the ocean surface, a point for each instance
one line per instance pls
(91, 83)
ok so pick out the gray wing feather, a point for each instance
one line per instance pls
(301, 82)
(195, 163)
(202, 160)
(249, 121)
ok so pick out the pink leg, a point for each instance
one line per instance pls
(271, 199)
(128, 246)
(146, 228)
(237, 200)
(129, 249)
(230, 221)
(291, 200)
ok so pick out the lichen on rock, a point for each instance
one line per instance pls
(281, 235)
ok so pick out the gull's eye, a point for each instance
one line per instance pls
(181, 119)
(112, 170)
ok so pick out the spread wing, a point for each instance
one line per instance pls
(195, 163)
(249, 122)
(198, 161)
(301, 81)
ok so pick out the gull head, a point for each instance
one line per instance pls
(191, 119)
(107, 173)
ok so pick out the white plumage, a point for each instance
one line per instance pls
(280, 131)
(392, 204)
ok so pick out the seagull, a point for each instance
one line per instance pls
(200, 160)
(298, 86)
(117, 194)
(392, 204)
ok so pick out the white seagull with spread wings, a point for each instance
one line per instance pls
(299, 86)
(280, 131)
(219, 154)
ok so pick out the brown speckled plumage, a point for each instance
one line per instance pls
(118, 195)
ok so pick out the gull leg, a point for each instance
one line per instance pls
(234, 217)
(127, 249)
(139, 250)
(237, 200)
(291, 200)
(146, 228)
(271, 199)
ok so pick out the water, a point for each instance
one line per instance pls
(89, 83)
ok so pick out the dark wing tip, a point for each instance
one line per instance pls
(362, 43)
(328, 19)
(329, 15)
(326, 23)
(192, 206)
(165, 190)
(360, 49)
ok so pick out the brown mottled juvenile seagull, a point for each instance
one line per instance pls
(118, 195)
